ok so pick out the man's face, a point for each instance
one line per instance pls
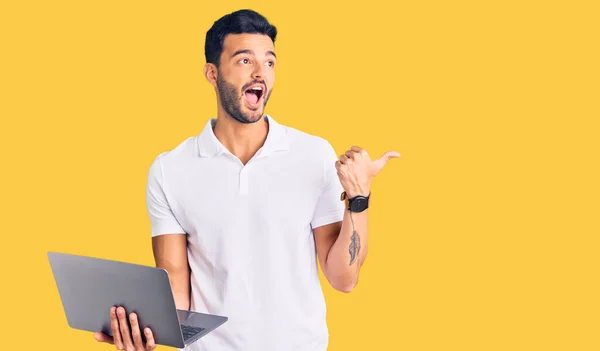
(246, 75)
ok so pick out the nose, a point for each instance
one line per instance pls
(258, 72)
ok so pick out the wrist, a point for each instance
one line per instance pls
(357, 203)
(358, 192)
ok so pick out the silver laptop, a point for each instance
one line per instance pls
(89, 287)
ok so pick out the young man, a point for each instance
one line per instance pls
(241, 213)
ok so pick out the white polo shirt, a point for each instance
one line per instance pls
(251, 248)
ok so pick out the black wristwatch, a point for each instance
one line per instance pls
(358, 203)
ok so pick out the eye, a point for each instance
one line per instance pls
(245, 61)
(270, 63)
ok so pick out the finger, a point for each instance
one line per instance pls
(150, 343)
(338, 165)
(135, 332)
(114, 326)
(124, 327)
(344, 159)
(380, 162)
(350, 154)
(360, 150)
(101, 337)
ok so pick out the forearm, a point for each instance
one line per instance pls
(348, 251)
(180, 284)
(179, 278)
(170, 254)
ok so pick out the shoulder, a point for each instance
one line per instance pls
(175, 157)
(306, 142)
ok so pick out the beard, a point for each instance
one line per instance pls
(231, 102)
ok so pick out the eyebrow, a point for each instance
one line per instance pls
(248, 51)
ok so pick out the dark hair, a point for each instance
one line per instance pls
(238, 22)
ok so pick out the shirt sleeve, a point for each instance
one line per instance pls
(329, 207)
(162, 219)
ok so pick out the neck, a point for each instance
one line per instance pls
(242, 140)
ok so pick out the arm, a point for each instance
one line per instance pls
(342, 246)
(169, 239)
(170, 253)
(342, 249)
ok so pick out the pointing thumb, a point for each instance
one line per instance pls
(379, 163)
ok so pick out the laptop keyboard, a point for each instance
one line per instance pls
(189, 331)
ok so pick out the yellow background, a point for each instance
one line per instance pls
(483, 236)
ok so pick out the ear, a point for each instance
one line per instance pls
(211, 73)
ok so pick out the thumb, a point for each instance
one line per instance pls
(380, 162)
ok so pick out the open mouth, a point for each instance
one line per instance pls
(254, 94)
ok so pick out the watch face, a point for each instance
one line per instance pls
(359, 204)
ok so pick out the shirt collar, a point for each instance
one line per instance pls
(210, 146)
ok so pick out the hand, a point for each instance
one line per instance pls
(356, 170)
(124, 338)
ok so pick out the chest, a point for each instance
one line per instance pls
(278, 194)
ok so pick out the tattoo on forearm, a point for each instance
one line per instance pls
(354, 247)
